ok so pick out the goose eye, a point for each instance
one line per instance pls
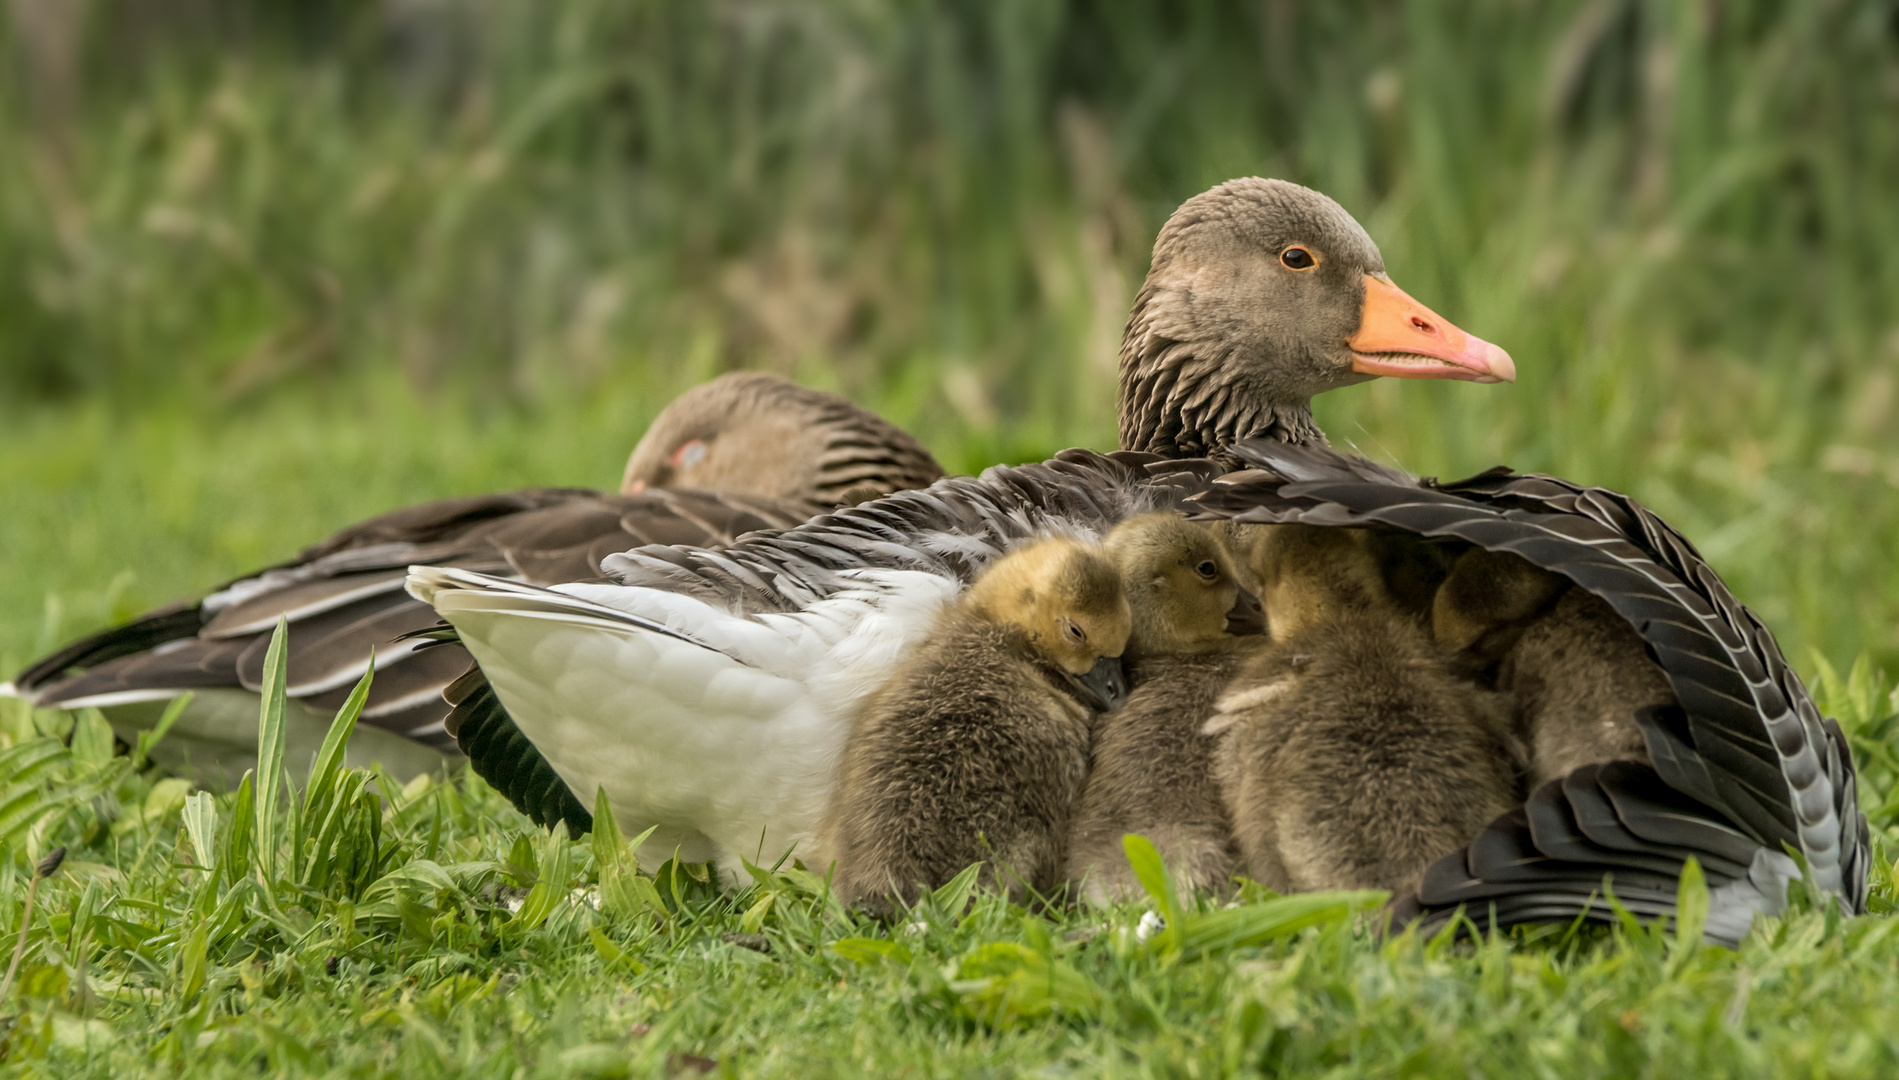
(690, 453)
(1075, 634)
(1206, 569)
(1297, 258)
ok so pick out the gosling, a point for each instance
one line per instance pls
(1353, 757)
(1578, 672)
(1152, 768)
(976, 750)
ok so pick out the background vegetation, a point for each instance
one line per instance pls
(266, 268)
(401, 248)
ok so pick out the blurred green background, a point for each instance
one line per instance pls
(269, 267)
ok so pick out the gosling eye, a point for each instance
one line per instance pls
(1075, 634)
(1297, 258)
(1207, 570)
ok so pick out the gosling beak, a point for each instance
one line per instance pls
(1246, 616)
(1105, 683)
(1400, 337)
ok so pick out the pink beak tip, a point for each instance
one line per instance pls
(1494, 362)
(1503, 369)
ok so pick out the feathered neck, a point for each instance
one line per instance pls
(1180, 399)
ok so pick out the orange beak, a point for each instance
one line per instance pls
(1400, 337)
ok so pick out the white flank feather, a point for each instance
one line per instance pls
(724, 730)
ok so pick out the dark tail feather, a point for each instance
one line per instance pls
(501, 755)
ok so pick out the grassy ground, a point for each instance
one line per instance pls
(432, 931)
(264, 275)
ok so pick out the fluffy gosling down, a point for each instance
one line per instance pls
(976, 749)
(1152, 767)
(1578, 671)
(1353, 756)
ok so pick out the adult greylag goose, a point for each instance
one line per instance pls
(708, 693)
(744, 451)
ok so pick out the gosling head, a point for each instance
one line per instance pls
(1182, 586)
(751, 433)
(1261, 294)
(1486, 591)
(1306, 572)
(1067, 598)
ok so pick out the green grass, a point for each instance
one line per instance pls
(363, 928)
(267, 270)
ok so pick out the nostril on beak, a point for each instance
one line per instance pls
(1423, 325)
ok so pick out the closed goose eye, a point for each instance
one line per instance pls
(690, 453)
(1075, 634)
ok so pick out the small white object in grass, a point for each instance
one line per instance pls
(513, 901)
(1149, 925)
(589, 896)
(918, 928)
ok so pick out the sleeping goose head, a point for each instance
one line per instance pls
(753, 433)
(1260, 295)
(1067, 598)
(1182, 588)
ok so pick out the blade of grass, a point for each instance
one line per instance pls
(270, 754)
(201, 824)
(174, 709)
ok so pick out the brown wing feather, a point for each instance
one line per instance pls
(343, 597)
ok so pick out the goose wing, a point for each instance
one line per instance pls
(952, 528)
(1744, 768)
(344, 598)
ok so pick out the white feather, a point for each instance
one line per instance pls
(722, 729)
(116, 698)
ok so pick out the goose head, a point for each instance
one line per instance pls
(1260, 295)
(1306, 572)
(1182, 587)
(1068, 600)
(753, 433)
